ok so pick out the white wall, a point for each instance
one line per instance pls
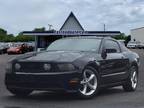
(138, 34)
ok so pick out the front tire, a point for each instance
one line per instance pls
(89, 83)
(20, 92)
(132, 81)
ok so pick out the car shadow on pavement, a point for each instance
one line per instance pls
(110, 91)
(51, 96)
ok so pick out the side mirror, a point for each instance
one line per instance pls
(104, 54)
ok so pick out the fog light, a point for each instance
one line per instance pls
(17, 66)
(47, 67)
(74, 81)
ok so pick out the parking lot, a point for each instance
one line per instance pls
(110, 98)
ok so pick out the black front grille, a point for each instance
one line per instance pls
(35, 67)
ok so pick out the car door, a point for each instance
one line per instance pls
(114, 66)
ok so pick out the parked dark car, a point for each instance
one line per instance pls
(80, 65)
(3, 49)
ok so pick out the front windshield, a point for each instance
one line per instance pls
(78, 44)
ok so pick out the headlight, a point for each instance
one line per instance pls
(66, 67)
(17, 66)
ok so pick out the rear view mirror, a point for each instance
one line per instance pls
(104, 54)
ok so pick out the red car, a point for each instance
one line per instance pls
(18, 49)
(15, 50)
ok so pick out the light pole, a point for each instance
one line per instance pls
(50, 26)
(104, 27)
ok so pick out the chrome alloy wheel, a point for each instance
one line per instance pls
(88, 85)
(134, 79)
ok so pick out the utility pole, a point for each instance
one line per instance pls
(104, 27)
(50, 26)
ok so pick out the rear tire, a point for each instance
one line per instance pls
(89, 83)
(20, 92)
(132, 81)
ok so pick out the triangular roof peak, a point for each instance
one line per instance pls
(71, 24)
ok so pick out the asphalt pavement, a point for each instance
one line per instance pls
(110, 98)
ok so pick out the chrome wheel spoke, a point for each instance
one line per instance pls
(84, 75)
(85, 89)
(93, 87)
(134, 80)
(91, 77)
(83, 82)
(134, 75)
(132, 84)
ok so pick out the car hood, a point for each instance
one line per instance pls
(57, 56)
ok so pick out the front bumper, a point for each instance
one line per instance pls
(68, 81)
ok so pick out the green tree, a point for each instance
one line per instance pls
(3, 34)
(122, 36)
(39, 29)
(22, 38)
(128, 38)
(9, 38)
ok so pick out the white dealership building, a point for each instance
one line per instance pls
(138, 34)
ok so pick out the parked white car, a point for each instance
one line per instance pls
(132, 45)
(141, 46)
(135, 44)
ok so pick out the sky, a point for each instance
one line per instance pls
(117, 15)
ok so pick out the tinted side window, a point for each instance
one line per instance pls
(110, 44)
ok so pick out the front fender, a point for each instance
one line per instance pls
(82, 64)
(94, 64)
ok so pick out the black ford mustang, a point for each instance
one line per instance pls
(82, 65)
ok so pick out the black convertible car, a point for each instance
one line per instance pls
(82, 65)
